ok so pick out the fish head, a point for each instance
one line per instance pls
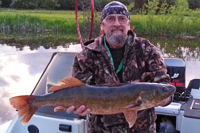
(156, 93)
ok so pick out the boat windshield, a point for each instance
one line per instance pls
(59, 67)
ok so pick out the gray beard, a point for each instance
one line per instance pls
(117, 39)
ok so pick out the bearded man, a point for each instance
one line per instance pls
(118, 56)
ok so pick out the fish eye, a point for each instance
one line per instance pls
(165, 89)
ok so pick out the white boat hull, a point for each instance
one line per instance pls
(46, 124)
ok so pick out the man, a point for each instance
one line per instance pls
(118, 56)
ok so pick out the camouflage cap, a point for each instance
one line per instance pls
(114, 7)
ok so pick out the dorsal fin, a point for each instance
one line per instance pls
(66, 83)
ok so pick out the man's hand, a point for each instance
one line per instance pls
(82, 110)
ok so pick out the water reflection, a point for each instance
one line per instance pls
(21, 67)
(187, 49)
(20, 70)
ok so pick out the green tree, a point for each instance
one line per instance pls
(164, 6)
(194, 4)
(66, 4)
(6, 3)
(182, 6)
(50, 4)
(169, 2)
(152, 7)
(130, 7)
(24, 4)
(142, 4)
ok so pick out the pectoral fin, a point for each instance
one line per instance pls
(131, 117)
(136, 105)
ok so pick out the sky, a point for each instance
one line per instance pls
(20, 71)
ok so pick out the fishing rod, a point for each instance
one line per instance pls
(77, 22)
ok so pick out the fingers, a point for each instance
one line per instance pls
(82, 111)
(87, 111)
(70, 109)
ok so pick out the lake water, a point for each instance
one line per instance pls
(21, 68)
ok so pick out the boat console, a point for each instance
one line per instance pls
(182, 117)
(183, 114)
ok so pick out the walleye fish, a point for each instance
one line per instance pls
(104, 100)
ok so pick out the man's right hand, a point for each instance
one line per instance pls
(82, 110)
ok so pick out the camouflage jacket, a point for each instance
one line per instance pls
(142, 63)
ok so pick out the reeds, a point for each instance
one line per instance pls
(29, 21)
(166, 25)
(168, 20)
(24, 24)
(43, 23)
(38, 27)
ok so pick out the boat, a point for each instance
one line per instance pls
(45, 119)
(181, 116)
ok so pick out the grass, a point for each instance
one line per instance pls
(45, 14)
(65, 20)
(166, 25)
(32, 26)
(29, 26)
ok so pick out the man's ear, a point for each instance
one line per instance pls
(101, 29)
(130, 27)
(101, 26)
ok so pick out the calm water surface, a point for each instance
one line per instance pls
(21, 68)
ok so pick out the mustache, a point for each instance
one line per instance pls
(117, 28)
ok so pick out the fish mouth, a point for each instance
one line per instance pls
(168, 89)
(171, 89)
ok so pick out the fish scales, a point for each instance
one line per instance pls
(91, 96)
(127, 99)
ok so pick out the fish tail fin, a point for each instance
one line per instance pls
(24, 106)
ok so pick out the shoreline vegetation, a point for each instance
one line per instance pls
(51, 27)
(41, 27)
